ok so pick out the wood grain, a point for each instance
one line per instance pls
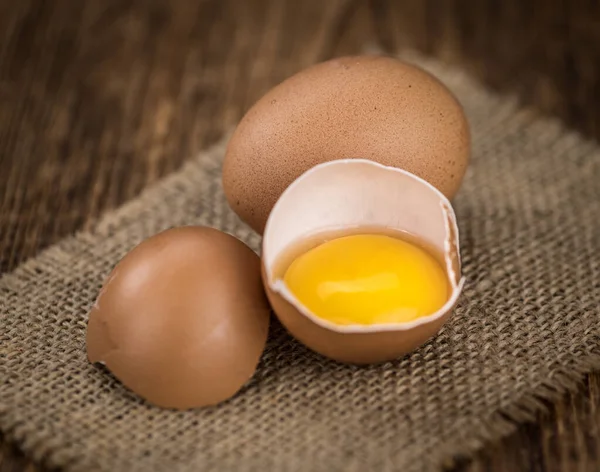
(100, 99)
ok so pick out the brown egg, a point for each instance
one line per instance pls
(182, 320)
(369, 107)
(350, 197)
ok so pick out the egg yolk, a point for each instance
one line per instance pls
(368, 279)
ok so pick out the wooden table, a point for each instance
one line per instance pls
(100, 98)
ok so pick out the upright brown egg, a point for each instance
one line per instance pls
(182, 320)
(369, 107)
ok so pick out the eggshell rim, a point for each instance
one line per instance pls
(278, 286)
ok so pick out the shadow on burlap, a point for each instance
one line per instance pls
(527, 328)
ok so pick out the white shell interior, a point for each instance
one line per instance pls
(353, 193)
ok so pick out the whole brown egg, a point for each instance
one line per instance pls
(371, 107)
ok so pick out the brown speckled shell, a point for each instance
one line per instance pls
(370, 107)
(183, 319)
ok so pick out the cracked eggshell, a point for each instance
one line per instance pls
(182, 320)
(375, 107)
(348, 195)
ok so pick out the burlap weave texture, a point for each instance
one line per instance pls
(527, 327)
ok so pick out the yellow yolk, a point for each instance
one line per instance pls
(368, 279)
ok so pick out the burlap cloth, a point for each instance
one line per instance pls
(528, 327)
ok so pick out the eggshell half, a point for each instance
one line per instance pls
(182, 320)
(346, 195)
(373, 107)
